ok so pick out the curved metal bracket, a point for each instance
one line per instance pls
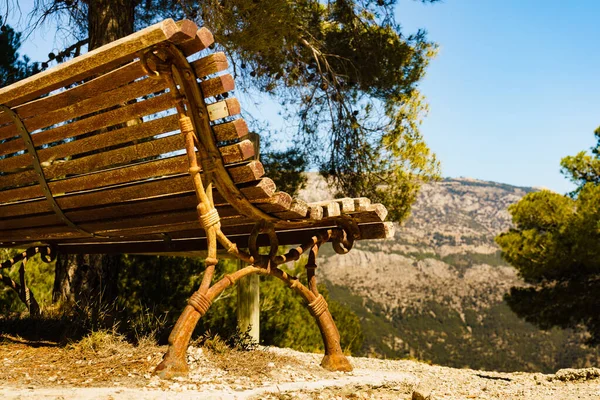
(35, 161)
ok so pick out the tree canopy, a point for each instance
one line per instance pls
(12, 66)
(343, 71)
(555, 246)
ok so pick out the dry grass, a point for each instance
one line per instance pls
(100, 359)
(105, 358)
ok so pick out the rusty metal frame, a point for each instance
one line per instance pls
(170, 63)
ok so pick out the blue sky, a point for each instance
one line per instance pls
(515, 86)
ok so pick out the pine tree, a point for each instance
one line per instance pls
(12, 66)
(555, 246)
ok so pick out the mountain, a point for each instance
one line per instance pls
(435, 291)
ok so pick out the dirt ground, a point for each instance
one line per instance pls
(105, 367)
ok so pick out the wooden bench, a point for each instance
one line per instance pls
(139, 147)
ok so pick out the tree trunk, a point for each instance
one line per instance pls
(91, 280)
(109, 20)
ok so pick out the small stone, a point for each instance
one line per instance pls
(422, 392)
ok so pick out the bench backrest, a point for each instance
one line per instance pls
(110, 153)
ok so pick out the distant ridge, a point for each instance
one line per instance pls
(435, 292)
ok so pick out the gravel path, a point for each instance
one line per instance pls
(272, 373)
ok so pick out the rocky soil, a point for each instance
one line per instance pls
(114, 370)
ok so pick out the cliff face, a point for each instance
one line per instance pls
(435, 292)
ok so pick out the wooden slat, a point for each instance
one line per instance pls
(298, 210)
(94, 87)
(201, 41)
(230, 130)
(156, 168)
(373, 213)
(116, 176)
(93, 123)
(218, 85)
(165, 204)
(237, 152)
(198, 242)
(111, 98)
(330, 208)
(96, 61)
(346, 205)
(253, 190)
(280, 201)
(179, 184)
(99, 161)
(96, 142)
(148, 222)
(107, 212)
(223, 109)
(315, 212)
(247, 173)
(210, 64)
(171, 185)
(362, 204)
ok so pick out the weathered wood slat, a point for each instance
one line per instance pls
(210, 64)
(233, 153)
(186, 202)
(140, 171)
(219, 85)
(346, 205)
(94, 87)
(315, 212)
(223, 109)
(362, 204)
(231, 130)
(181, 184)
(96, 61)
(107, 212)
(297, 210)
(234, 228)
(330, 208)
(237, 152)
(111, 98)
(93, 123)
(280, 201)
(99, 161)
(373, 213)
(198, 242)
(115, 176)
(201, 41)
(124, 224)
(95, 142)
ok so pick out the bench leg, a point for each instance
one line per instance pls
(334, 359)
(174, 362)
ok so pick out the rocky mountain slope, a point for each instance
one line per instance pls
(435, 292)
